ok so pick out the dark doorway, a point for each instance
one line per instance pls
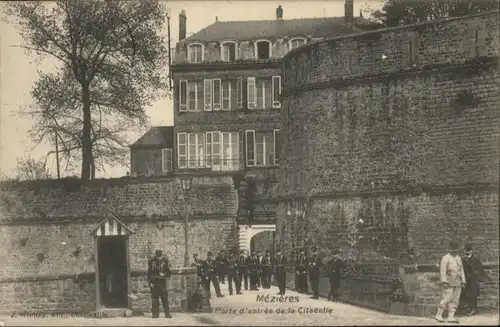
(112, 260)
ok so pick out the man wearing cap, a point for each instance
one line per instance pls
(158, 273)
(474, 271)
(253, 270)
(259, 273)
(452, 279)
(198, 263)
(267, 270)
(221, 263)
(280, 264)
(210, 271)
(232, 274)
(314, 265)
(301, 272)
(294, 260)
(335, 268)
(242, 270)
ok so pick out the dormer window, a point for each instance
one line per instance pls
(263, 49)
(195, 52)
(228, 51)
(296, 42)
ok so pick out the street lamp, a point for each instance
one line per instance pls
(186, 187)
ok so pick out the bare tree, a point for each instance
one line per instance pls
(112, 61)
(30, 168)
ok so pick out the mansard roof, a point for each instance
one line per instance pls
(268, 29)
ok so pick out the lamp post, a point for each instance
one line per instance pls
(186, 187)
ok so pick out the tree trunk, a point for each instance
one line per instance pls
(87, 157)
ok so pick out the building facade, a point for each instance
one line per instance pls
(227, 103)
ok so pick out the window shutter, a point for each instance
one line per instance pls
(208, 148)
(166, 160)
(239, 93)
(216, 145)
(208, 94)
(226, 95)
(276, 89)
(277, 148)
(181, 150)
(251, 93)
(183, 95)
(250, 147)
(217, 94)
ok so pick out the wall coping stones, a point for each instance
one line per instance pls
(374, 33)
(126, 219)
(88, 276)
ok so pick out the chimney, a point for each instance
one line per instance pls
(182, 25)
(279, 12)
(349, 12)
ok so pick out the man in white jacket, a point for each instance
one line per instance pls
(452, 279)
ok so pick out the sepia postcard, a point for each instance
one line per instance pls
(252, 163)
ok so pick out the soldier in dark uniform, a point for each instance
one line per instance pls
(198, 263)
(232, 274)
(315, 263)
(474, 271)
(280, 264)
(335, 268)
(210, 271)
(259, 273)
(301, 272)
(221, 260)
(267, 270)
(158, 272)
(242, 270)
(297, 279)
(253, 271)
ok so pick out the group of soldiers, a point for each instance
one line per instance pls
(242, 271)
(254, 271)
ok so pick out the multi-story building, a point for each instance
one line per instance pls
(227, 100)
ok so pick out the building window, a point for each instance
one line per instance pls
(229, 51)
(166, 160)
(196, 150)
(263, 49)
(230, 151)
(276, 85)
(181, 150)
(251, 93)
(263, 93)
(295, 43)
(217, 150)
(261, 148)
(195, 52)
(195, 96)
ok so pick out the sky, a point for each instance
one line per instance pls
(18, 71)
